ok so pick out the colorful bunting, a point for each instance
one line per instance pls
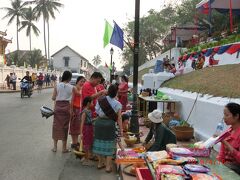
(223, 49)
(230, 49)
(215, 49)
(233, 49)
(209, 52)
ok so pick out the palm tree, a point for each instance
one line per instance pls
(15, 12)
(28, 23)
(97, 60)
(46, 8)
(53, 5)
(36, 58)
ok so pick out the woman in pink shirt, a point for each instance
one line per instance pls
(123, 92)
(230, 148)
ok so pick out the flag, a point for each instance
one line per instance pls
(110, 67)
(106, 65)
(117, 36)
(107, 34)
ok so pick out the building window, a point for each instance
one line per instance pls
(81, 63)
(66, 61)
(85, 64)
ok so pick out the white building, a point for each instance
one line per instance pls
(68, 59)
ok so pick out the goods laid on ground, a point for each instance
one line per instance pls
(177, 163)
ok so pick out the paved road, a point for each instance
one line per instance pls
(25, 143)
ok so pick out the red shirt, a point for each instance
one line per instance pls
(88, 90)
(100, 87)
(234, 140)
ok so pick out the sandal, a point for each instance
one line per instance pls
(108, 170)
(66, 151)
(54, 150)
(101, 166)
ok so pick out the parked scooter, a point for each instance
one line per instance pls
(26, 88)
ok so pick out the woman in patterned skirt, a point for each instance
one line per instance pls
(62, 95)
(76, 105)
(104, 129)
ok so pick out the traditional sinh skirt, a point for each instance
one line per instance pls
(104, 137)
(61, 120)
(87, 137)
(75, 122)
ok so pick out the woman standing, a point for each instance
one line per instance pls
(76, 106)
(109, 112)
(62, 94)
(123, 92)
(230, 148)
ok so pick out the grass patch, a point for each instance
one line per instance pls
(223, 81)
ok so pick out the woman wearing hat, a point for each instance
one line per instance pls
(159, 132)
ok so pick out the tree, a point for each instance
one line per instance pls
(97, 60)
(28, 23)
(36, 58)
(152, 29)
(46, 9)
(15, 12)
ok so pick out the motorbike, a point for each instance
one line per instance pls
(26, 88)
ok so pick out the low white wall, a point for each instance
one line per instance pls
(20, 72)
(207, 112)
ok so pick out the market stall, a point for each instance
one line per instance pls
(149, 103)
(185, 160)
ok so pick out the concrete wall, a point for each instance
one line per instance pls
(207, 112)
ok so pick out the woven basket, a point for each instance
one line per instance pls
(183, 133)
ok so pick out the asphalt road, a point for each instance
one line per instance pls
(25, 143)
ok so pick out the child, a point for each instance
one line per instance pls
(86, 129)
(76, 109)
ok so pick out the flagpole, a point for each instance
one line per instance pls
(134, 124)
(231, 18)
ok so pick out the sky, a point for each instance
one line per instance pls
(80, 25)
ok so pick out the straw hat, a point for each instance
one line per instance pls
(156, 116)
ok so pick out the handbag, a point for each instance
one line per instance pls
(107, 108)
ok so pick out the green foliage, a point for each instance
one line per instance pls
(35, 58)
(97, 60)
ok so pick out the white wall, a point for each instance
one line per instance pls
(74, 61)
(20, 72)
(207, 113)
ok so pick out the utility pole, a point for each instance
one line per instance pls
(134, 125)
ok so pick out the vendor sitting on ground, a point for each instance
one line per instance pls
(230, 148)
(162, 135)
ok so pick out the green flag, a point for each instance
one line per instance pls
(107, 34)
